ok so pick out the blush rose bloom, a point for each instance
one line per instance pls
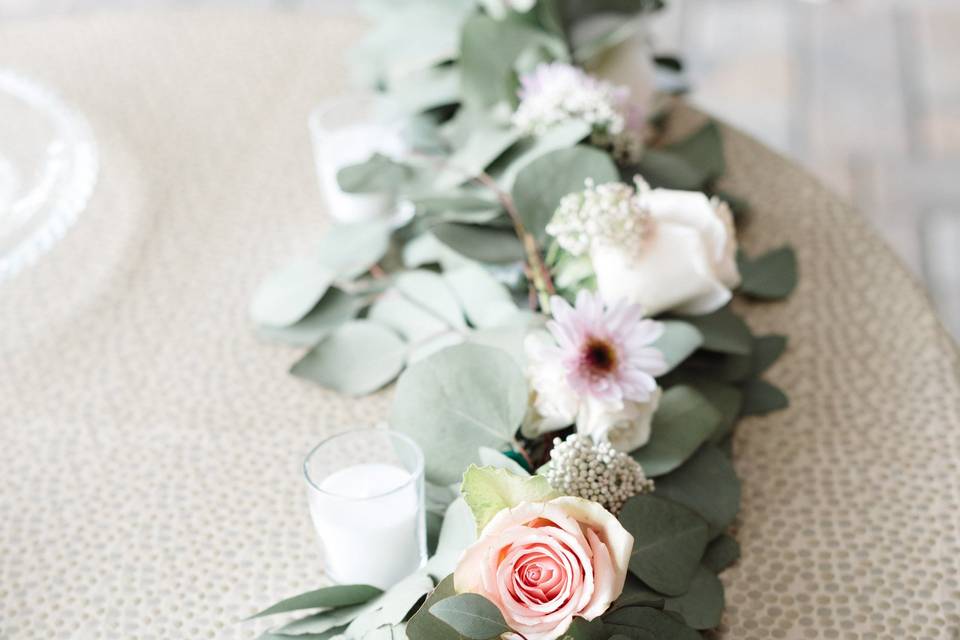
(543, 563)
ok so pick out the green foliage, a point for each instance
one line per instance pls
(684, 420)
(424, 624)
(543, 182)
(471, 615)
(678, 342)
(357, 358)
(488, 50)
(723, 331)
(457, 400)
(772, 276)
(481, 243)
(376, 175)
(722, 552)
(647, 623)
(326, 598)
(702, 605)
(708, 485)
(668, 542)
(761, 397)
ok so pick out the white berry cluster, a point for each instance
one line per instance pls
(606, 215)
(595, 471)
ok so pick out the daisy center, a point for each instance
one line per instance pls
(599, 356)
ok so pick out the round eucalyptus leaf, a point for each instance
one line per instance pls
(335, 308)
(668, 542)
(707, 484)
(678, 342)
(684, 420)
(358, 358)
(471, 615)
(647, 623)
(457, 400)
(289, 293)
(702, 605)
(431, 291)
(349, 250)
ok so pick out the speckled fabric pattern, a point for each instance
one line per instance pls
(150, 446)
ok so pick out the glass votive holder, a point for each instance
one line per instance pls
(347, 130)
(366, 495)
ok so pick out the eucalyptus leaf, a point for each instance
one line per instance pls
(288, 294)
(425, 625)
(702, 605)
(722, 552)
(335, 308)
(707, 484)
(326, 598)
(323, 621)
(431, 291)
(471, 615)
(485, 301)
(668, 170)
(506, 169)
(392, 607)
(637, 594)
(488, 50)
(723, 331)
(351, 249)
(427, 88)
(678, 342)
(772, 276)
(541, 184)
(490, 490)
(668, 542)
(498, 460)
(480, 242)
(683, 421)
(486, 142)
(647, 623)
(457, 400)
(377, 174)
(760, 398)
(581, 629)
(766, 351)
(406, 317)
(458, 532)
(702, 150)
(358, 358)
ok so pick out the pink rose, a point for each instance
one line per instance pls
(542, 563)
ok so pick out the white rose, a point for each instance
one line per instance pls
(627, 428)
(554, 405)
(687, 260)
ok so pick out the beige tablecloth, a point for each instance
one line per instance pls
(150, 446)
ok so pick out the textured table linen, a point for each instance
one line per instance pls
(150, 445)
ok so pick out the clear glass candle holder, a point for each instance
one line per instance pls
(347, 130)
(366, 495)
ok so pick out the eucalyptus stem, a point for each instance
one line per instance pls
(537, 273)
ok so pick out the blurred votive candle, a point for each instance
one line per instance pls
(348, 130)
(366, 496)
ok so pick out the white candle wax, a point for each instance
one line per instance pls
(369, 537)
(343, 147)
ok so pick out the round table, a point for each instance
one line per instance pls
(150, 445)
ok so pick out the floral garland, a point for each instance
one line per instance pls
(556, 306)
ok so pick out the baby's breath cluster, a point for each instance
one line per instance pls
(557, 92)
(611, 214)
(595, 471)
